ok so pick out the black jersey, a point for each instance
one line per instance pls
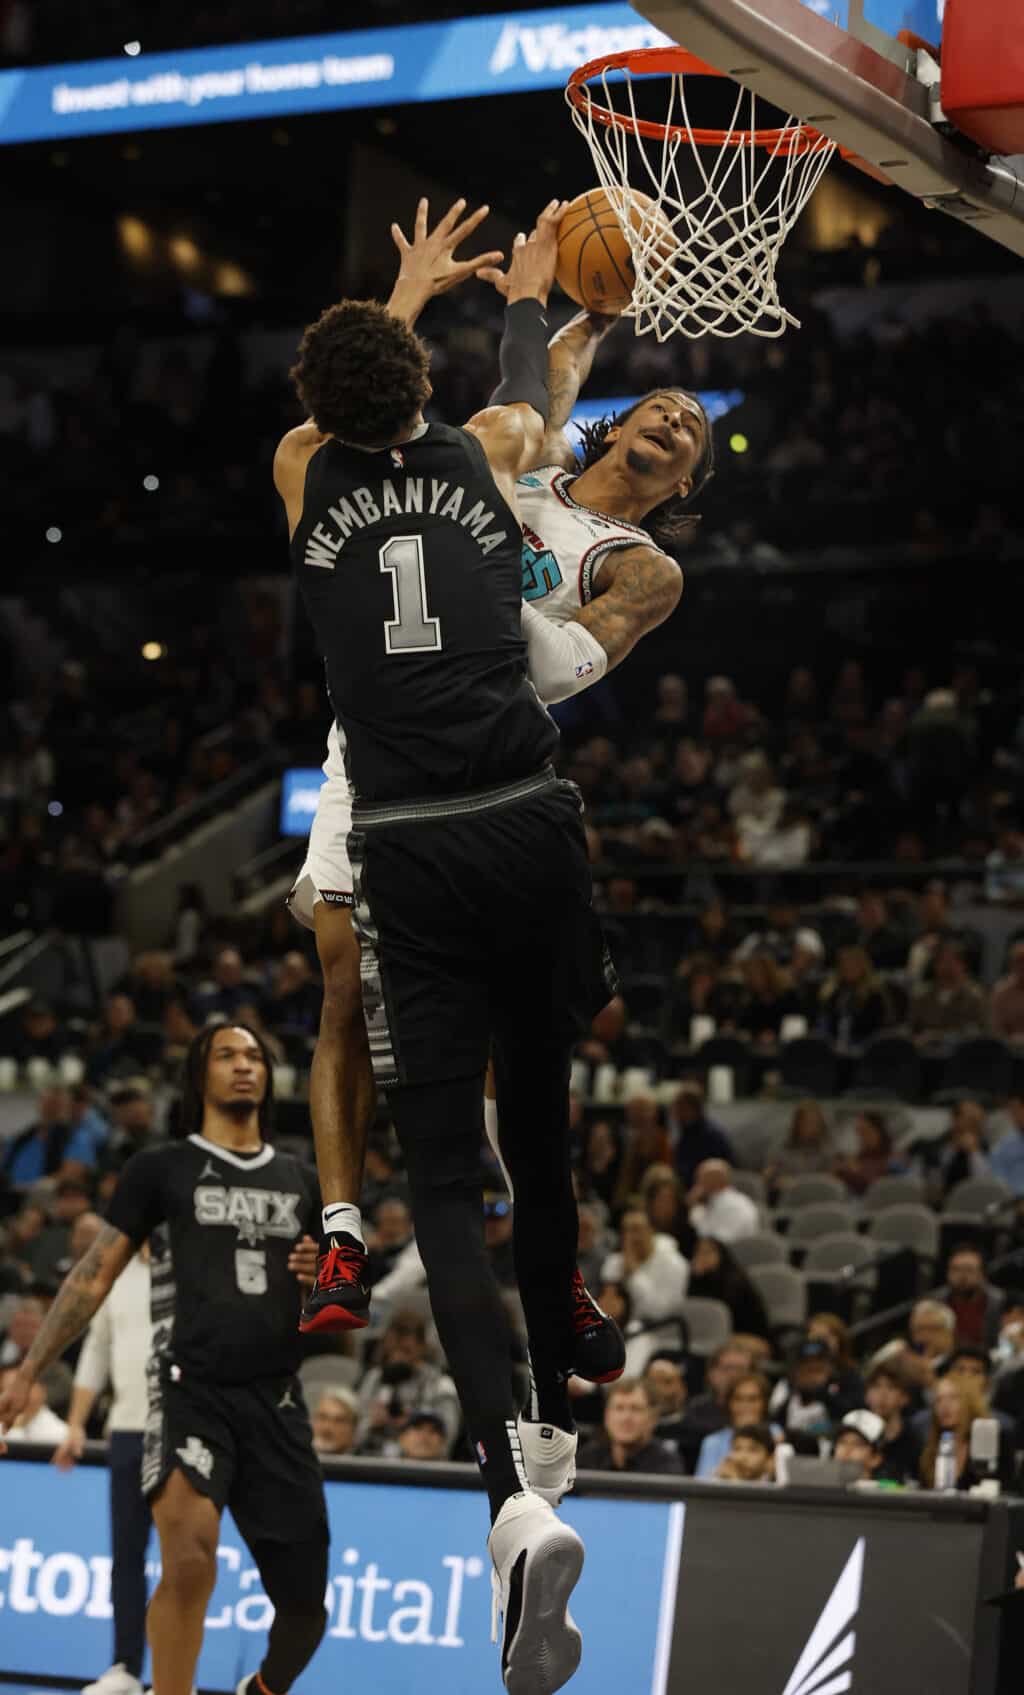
(410, 563)
(225, 1306)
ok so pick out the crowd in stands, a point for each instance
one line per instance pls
(848, 440)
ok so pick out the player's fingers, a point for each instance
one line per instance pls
(399, 239)
(473, 267)
(498, 278)
(451, 218)
(520, 240)
(467, 226)
(421, 219)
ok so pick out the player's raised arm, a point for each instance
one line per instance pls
(511, 429)
(428, 265)
(82, 1292)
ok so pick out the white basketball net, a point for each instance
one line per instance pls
(705, 254)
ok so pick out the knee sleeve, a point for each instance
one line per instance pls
(439, 1126)
(294, 1574)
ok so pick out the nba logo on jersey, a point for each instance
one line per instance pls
(481, 1453)
(398, 458)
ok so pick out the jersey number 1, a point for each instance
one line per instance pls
(411, 630)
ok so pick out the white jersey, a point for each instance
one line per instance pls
(565, 544)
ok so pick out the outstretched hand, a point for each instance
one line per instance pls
(531, 270)
(13, 1401)
(428, 261)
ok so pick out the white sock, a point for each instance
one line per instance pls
(491, 1132)
(342, 1216)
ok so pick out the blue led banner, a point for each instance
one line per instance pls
(300, 786)
(408, 1596)
(272, 79)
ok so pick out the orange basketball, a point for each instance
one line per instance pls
(594, 264)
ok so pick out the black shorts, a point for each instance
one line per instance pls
(475, 917)
(245, 1446)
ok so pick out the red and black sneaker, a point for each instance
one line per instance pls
(340, 1298)
(600, 1354)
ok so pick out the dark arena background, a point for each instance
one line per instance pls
(804, 799)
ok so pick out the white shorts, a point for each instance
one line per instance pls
(326, 873)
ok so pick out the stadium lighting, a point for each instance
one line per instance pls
(54, 535)
(738, 443)
(153, 650)
(133, 49)
(151, 484)
(54, 808)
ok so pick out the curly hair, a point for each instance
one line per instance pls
(669, 522)
(361, 374)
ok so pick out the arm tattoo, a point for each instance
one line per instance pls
(570, 356)
(82, 1292)
(644, 590)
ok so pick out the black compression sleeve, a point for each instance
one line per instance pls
(523, 358)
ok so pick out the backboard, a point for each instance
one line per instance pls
(838, 64)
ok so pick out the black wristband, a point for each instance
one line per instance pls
(523, 358)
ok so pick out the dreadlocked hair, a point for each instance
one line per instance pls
(671, 521)
(361, 374)
(193, 1083)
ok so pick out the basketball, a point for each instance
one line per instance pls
(594, 264)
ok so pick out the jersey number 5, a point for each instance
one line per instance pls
(411, 630)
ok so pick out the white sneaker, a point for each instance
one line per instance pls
(537, 1562)
(116, 1681)
(550, 1458)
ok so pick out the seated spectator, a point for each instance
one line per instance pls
(726, 717)
(751, 1459)
(932, 1332)
(888, 1394)
(977, 1305)
(746, 1403)
(642, 1340)
(602, 1160)
(697, 1137)
(807, 1150)
(714, 932)
(37, 1423)
(973, 1366)
(860, 1440)
(717, 1207)
(180, 1031)
(943, 1161)
(403, 1378)
(51, 1147)
(1007, 1157)
(646, 1144)
(956, 1405)
(39, 1035)
(829, 1328)
(1009, 1348)
(423, 1437)
(394, 1266)
(117, 1045)
(874, 1157)
(1006, 1006)
(770, 997)
(666, 1385)
(189, 923)
(296, 997)
(952, 1004)
(884, 941)
(756, 800)
(715, 1275)
(852, 1005)
(151, 985)
(650, 1268)
(132, 1123)
(700, 990)
(334, 1422)
(22, 1329)
(225, 991)
(811, 1398)
(16, 1262)
(72, 1199)
(665, 1201)
(936, 926)
(783, 937)
(708, 1411)
(250, 1014)
(627, 1442)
